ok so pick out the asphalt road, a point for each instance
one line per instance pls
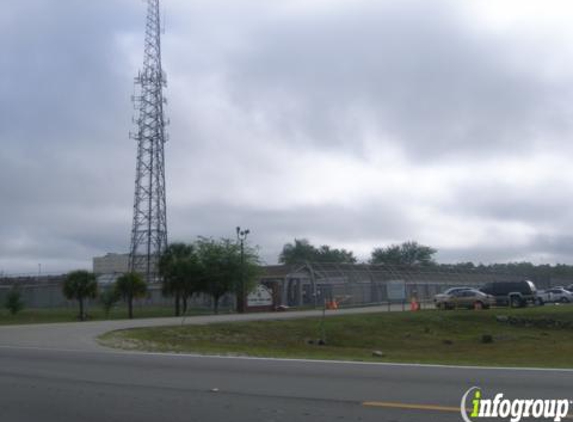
(78, 381)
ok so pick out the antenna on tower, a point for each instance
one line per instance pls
(149, 229)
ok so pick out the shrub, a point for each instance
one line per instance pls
(14, 302)
(108, 298)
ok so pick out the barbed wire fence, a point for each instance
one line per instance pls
(307, 285)
(313, 284)
(41, 291)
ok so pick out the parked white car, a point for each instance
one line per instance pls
(553, 295)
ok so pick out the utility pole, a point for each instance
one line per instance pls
(149, 229)
(241, 299)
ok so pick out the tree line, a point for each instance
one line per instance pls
(413, 254)
(206, 266)
(406, 254)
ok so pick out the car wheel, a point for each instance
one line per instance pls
(440, 306)
(564, 300)
(515, 302)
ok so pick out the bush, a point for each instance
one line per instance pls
(487, 339)
(14, 302)
(108, 298)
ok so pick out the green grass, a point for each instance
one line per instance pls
(95, 313)
(439, 337)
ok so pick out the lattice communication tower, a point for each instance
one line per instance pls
(149, 229)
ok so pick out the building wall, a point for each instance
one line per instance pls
(111, 263)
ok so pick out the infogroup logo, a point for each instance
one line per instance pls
(475, 406)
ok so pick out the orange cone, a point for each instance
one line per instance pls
(414, 305)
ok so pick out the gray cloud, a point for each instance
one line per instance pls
(546, 203)
(539, 250)
(64, 118)
(309, 124)
(271, 229)
(409, 71)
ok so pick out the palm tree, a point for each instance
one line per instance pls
(80, 285)
(130, 286)
(182, 273)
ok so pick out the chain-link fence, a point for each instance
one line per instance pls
(313, 284)
(39, 292)
(306, 285)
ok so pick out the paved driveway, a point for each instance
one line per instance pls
(81, 335)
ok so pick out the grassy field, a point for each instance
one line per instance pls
(540, 337)
(95, 313)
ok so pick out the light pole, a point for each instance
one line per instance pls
(241, 237)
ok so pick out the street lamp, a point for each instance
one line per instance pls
(241, 237)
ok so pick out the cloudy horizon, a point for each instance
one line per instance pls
(352, 123)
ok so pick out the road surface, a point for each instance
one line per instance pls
(44, 378)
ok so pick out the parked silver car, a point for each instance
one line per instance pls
(466, 298)
(452, 290)
(554, 295)
(448, 292)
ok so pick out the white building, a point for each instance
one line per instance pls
(112, 263)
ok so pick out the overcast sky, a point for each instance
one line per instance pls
(351, 123)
